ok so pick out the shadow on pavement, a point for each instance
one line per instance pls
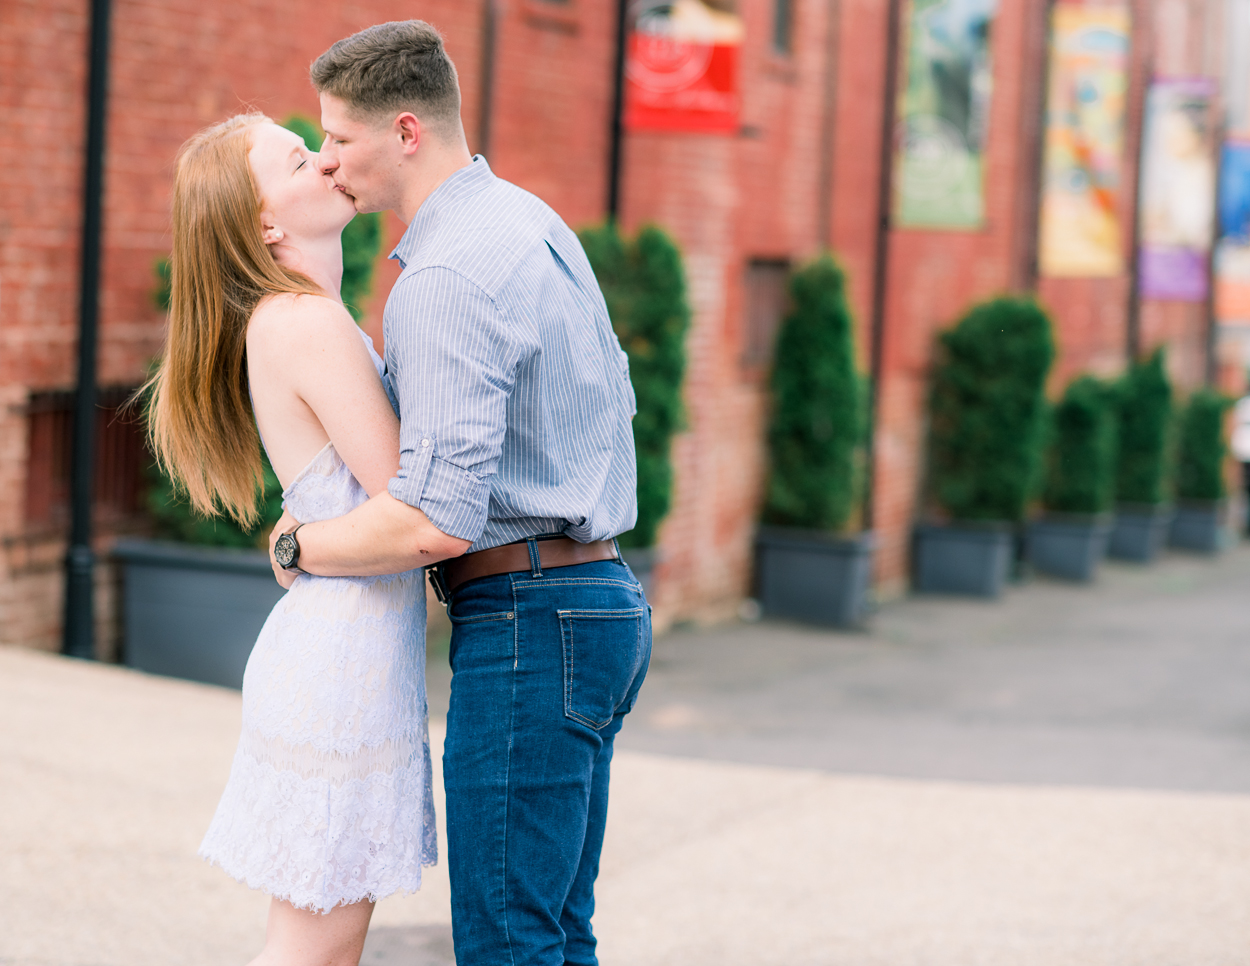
(408, 945)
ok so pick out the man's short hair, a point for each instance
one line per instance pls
(393, 67)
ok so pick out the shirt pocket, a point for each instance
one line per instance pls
(605, 655)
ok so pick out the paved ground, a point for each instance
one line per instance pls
(1061, 778)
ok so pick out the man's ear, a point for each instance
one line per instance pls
(407, 128)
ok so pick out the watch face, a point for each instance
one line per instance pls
(284, 550)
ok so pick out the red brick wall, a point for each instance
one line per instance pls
(178, 65)
(727, 200)
(175, 67)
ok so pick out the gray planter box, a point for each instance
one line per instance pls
(193, 612)
(967, 558)
(641, 561)
(1139, 532)
(1200, 525)
(812, 576)
(1069, 545)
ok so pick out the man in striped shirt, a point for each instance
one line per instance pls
(516, 473)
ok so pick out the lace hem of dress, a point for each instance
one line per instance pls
(270, 887)
(318, 845)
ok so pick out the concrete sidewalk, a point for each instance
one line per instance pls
(108, 779)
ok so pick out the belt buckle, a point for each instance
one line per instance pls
(439, 582)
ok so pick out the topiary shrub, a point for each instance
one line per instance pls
(644, 286)
(817, 405)
(1145, 415)
(362, 238)
(988, 410)
(1203, 449)
(1080, 461)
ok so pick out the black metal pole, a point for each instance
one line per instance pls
(616, 135)
(486, 101)
(881, 267)
(79, 638)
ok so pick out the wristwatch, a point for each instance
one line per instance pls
(286, 550)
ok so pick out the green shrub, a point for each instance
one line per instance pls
(362, 238)
(988, 410)
(1080, 463)
(644, 285)
(1145, 416)
(817, 405)
(1200, 468)
(175, 520)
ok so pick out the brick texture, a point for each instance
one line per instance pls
(178, 65)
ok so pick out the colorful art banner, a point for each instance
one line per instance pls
(943, 113)
(1080, 232)
(1177, 190)
(1232, 258)
(681, 67)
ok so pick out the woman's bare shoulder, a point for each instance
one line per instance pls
(296, 321)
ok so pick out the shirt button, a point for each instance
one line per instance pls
(425, 442)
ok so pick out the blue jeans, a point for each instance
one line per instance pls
(545, 667)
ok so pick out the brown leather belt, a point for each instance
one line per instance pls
(513, 557)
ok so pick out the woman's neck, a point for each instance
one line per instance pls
(320, 259)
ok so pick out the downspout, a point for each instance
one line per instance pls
(616, 132)
(1220, 131)
(1132, 340)
(833, 11)
(79, 628)
(1035, 122)
(486, 78)
(881, 259)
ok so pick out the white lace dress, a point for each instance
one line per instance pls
(330, 798)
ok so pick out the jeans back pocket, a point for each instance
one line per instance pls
(605, 654)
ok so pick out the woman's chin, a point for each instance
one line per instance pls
(347, 209)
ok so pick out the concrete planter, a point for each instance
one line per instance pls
(1140, 530)
(1069, 545)
(1200, 525)
(642, 561)
(813, 576)
(193, 612)
(965, 558)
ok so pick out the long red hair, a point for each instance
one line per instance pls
(200, 421)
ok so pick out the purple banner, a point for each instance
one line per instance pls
(1177, 190)
(1179, 274)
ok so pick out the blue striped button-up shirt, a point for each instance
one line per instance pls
(514, 394)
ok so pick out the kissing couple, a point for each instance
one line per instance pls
(491, 447)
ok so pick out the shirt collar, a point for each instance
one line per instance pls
(460, 184)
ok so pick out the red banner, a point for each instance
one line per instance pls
(681, 70)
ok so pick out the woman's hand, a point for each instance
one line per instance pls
(286, 523)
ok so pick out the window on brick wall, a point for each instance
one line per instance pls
(120, 456)
(783, 26)
(765, 301)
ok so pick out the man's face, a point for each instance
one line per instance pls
(361, 155)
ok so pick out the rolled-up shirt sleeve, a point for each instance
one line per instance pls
(452, 359)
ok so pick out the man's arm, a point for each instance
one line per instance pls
(452, 358)
(381, 536)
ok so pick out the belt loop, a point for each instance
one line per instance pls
(536, 567)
